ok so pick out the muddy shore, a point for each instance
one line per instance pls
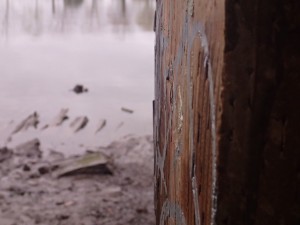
(30, 193)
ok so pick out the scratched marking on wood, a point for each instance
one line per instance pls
(186, 95)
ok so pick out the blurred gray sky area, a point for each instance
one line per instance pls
(48, 46)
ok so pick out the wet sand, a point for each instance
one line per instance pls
(30, 193)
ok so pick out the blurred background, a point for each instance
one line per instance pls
(49, 46)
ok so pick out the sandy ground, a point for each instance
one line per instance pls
(31, 194)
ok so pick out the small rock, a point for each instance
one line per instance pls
(69, 203)
(43, 170)
(17, 190)
(55, 156)
(33, 183)
(26, 168)
(30, 149)
(60, 203)
(79, 89)
(63, 217)
(112, 191)
(5, 154)
(34, 176)
(142, 210)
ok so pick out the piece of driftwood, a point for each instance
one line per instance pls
(90, 163)
(79, 123)
(102, 124)
(127, 110)
(31, 121)
(59, 119)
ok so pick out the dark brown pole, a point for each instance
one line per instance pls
(226, 112)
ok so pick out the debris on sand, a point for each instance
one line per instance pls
(112, 191)
(102, 124)
(31, 121)
(55, 156)
(59, 119)
(79, 123)
(30, 192)
(127, 110)
(5, 154)
(30, 149)
(91, 163)
(79, 89)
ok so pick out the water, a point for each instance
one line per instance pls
(48, 46)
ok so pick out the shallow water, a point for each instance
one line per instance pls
(46, 47)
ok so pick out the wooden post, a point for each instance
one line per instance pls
(226, 112)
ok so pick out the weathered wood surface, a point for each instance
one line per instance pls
(226, 112)
(189, 39)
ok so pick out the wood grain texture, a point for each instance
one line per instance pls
(226, 112)
(189, 62)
